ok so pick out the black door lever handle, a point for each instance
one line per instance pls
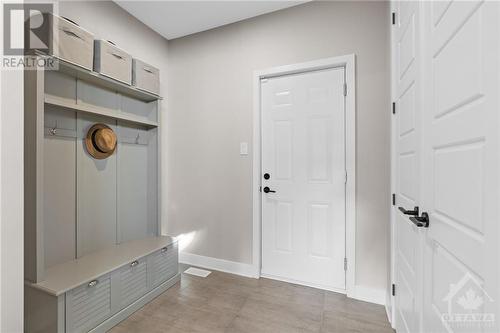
(421, 221)
(268, 190)
(413, 212)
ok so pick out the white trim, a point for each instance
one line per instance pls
(388, 307)
(388, 313)
(348, 62)
(392, 209)
(221, 265)
(307, 284)
(368, 294)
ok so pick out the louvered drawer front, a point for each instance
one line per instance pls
(164, 264)
(88, 305)
(134, 281)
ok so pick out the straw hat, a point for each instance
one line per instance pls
(100, 141)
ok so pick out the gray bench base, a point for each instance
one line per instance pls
(124, 313)
(45, 313)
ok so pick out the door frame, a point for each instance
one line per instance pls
(391, 299)
(349, 64)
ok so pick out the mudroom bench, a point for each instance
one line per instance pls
(97, 291)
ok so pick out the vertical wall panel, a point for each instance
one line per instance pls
(59, 200)
(60, 86)
(59, 190)
(133, 168)
(153, 183)
(96, 195)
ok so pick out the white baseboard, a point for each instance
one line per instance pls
(312, 285)
(368, 294)
(388, 313)
(361, 293)
(389, 306)
(222, 265)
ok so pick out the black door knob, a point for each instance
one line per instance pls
(267, 176)
(413, 212)
(268, 190)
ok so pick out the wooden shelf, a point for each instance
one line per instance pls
(99, 111)
(103, 81)
(69, 275)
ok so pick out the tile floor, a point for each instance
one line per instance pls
(224, 302)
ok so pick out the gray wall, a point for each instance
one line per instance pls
(210, 112)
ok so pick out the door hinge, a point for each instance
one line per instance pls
(394, 199)
(345, 180)
(345, 89)
(393, 108)
(345, 264)
(393, 18)
(393, 289)
(260, 188)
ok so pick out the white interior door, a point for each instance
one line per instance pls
(408, 105)
(303, 152)
(461, 167)
(447, 82)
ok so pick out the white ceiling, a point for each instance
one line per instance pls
(174, 19)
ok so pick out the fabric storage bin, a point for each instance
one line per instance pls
(111, 61)
(70, 42)
(145, 77)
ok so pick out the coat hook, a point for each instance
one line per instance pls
(53, 131)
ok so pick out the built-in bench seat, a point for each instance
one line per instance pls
(96, 291)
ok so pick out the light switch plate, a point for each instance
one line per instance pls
(243, 148)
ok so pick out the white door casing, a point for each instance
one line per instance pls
(407, 99)
(460, 174)
(303, 150)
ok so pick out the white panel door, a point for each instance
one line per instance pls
(303, 152)
(408, 97)
(461, 166)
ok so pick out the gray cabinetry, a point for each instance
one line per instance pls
(133, 281)
(163, 264)
(96, 193)
(60, 86)
(93, 244)
(96, 97)
(137, 190)
(136, 108)
(75, 297)
(59, 190)
(89, 304)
